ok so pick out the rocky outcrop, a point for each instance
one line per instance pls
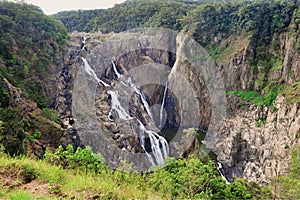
(51, 134)
(16, 98)
(256, 142)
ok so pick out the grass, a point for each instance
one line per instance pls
(292, 93)
(267, 97)
(72, 183)
(17, 195)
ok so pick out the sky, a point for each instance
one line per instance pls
(54, 6)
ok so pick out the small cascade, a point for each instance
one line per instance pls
(91, 72)
(162, 106)
(83, 41)
(159, 145)
(222, 172)
(116, 105)
(115, 70)
(142, 95)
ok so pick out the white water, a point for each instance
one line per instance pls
(116, 105)
(83, 40)
(159, 145)
(115, 70)
(91, 72)
(143, 98)
(162, 106)
(222, 172)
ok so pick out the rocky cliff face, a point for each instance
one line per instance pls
(255, 142)
(251, 142)
(160, 68)
(51, 134)
(259, 151)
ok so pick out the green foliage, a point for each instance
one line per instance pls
(126, 16)
(30, 43)
(17, 195)
(4, 96)
(288, 187)
(260, 122)
(84, 171)
(270, 93)
(251, 96)
(12, 134)
(81, 159)
(36, 135)
(189, 178)
(51, 115)
(292, 92)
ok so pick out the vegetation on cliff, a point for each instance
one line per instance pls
(31, 45)
(30, 49)
(224, 28)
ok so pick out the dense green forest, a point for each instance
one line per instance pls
(197, 18)
(30, 45)
(31, 49)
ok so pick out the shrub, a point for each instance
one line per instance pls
(51, 115)
(81, 159)
(189, 178)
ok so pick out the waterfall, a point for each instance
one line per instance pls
(142, 96)
(83, 40)
(162, 105)
(91, 72)
(115, 70)
(222, 172)
(116, 105)
(159, 145)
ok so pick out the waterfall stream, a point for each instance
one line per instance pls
(222, 172)
(91, 72)
(142, 96)
(83, 41)
(158, 144)
(116, 105)
(115, 70)
(162, 105)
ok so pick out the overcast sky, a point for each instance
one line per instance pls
(54, 6)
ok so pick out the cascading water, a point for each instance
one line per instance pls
(91, 72)
(115, 70)
(158, 144)
(116, 105)
(83, 41)
(142, 96)
(222, 172)
(162, 105)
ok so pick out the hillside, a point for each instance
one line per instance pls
(31, 53)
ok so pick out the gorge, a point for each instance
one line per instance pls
(198, 98)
